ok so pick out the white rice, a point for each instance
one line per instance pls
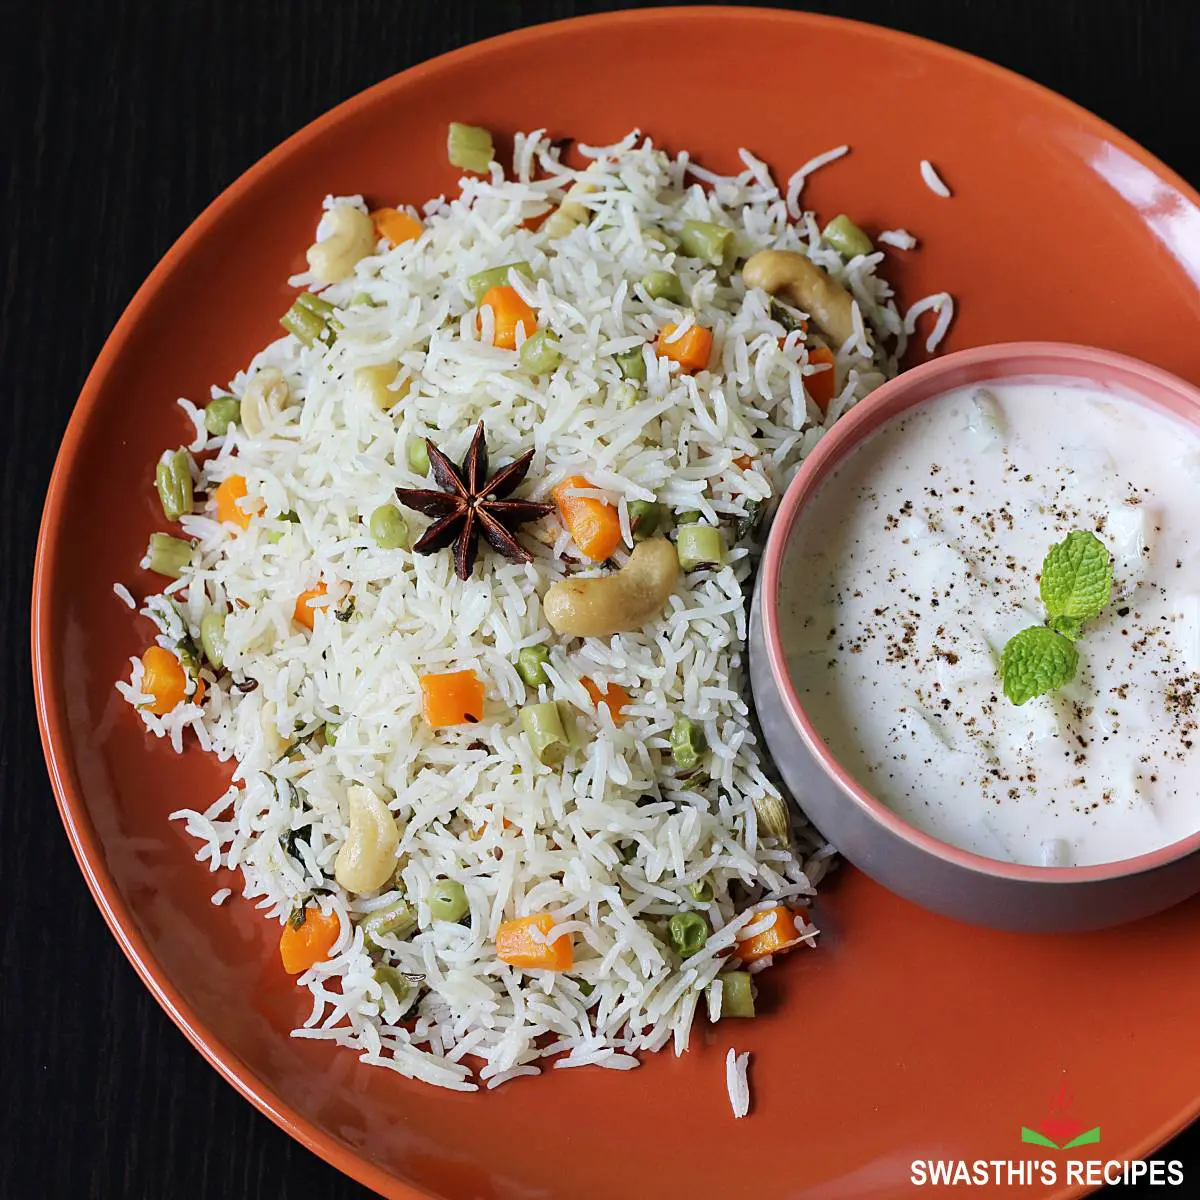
(123, 594)
(933, 181)
(220, 896)
(901, 239)
(608, 842)
(737, 1082)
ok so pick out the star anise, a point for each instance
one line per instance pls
(471, 504)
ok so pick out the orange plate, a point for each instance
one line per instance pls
(903, 1035)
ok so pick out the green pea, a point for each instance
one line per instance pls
(388, 528)
(707, 241)
(632, 364)
(173, 479)
(688, 932)
(626, 394)
(167, 555)
(448, 900)
(531, 665)
(540, 353)
(221, 413)
(646, 518)
(585, 988)
(417, 453)
(687, 742)
(664, 285)
(737, 994)
(701, 892)
(699, 546)
(469, 147)
(846, 237)
(212, 637)
(544, 728)
(482, 282)
(398, 918)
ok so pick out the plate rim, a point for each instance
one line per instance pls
(81, 833)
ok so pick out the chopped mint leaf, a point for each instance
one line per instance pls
(1035, 661)
(1077, 577)
(1069, 627)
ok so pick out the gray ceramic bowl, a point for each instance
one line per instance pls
(921, 868)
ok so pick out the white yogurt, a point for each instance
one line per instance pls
(920, 557)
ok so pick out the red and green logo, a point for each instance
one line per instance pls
(1061, 1130)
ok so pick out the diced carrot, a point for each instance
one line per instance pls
(534, 223)
(782, 935)
(691, 351)
(594, 526)
(304, 613)
(821, 386)
(516, 945)
(164, 678)
(311, 943)
(616, 697)
(228, 494)
(508, 311)
(396, 225)
(453, 698)
(743, 462)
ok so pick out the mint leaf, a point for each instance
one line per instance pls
(1035, 661)
(1077, 577)
(1070, 627)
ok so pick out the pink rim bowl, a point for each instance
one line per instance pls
(940, 877)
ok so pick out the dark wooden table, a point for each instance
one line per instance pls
(120, 121)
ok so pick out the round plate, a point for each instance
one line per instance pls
(902, 1036)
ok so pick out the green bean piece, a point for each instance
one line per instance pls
(846, 237)
(417, 453)
(632, 364)
(544, 728)
(221, 413)
(646, 518)
(448, 900)
(167, 555)
(212, 637)
(311, 319)
(737, 994)
(664, 285)
(688, 932)
(173, 479)
(388, 528)
(693, 516)
(707, 241)
(531, 665)
(398, 918)
(701, 891)
(585, 988)
(330, 733)
(482, 282)
(540, 353)
(687, 743)
(469, 147)
(699, 546)
(394, 978)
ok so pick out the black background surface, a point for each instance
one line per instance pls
(119, 122)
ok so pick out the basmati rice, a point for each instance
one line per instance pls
(607, 842)
(933, 181)
(737, 1081)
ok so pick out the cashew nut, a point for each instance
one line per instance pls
(618, 603)
(571, 211)
(368, 855)
(266, 395)
(352, 237)
(375, 383)
(807, 286)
